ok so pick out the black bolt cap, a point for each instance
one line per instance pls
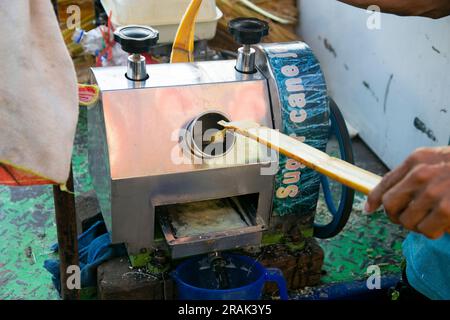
(136, 39)
(248, 30)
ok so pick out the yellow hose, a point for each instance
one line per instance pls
(183, 45)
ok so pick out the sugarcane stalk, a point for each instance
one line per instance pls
(334, 168)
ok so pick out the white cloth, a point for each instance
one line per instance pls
(38, 90)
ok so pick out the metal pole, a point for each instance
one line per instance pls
(66, 226)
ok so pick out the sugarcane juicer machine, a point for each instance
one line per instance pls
(163, 184)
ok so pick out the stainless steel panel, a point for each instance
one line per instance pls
(98, 157)
(143, 126)
(138, 158)
(134, 200)
(172, 75)
(263, 66)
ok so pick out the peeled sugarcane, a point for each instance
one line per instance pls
(334, 168)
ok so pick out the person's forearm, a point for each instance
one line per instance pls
(426, 8)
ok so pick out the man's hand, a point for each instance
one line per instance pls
(426, 8)
(417, 193)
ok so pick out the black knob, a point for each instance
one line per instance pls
(248, 30)
(136, 39)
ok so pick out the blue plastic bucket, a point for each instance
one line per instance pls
(247, 279)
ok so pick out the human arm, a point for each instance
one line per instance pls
(417, 193)
(427, 8)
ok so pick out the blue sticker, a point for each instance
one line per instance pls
(305, 115)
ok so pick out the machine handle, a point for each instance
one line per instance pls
(136, 39)
(248, 31)
(275, 275)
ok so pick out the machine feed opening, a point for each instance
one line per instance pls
(201, 132)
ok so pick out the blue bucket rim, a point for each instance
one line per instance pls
(255, 263)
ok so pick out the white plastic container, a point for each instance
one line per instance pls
(164, 16)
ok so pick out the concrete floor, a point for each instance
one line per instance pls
(27, 230)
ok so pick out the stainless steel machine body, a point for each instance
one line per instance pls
(160, 178)
(139, 162)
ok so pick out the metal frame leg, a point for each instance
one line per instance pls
(66, 226)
